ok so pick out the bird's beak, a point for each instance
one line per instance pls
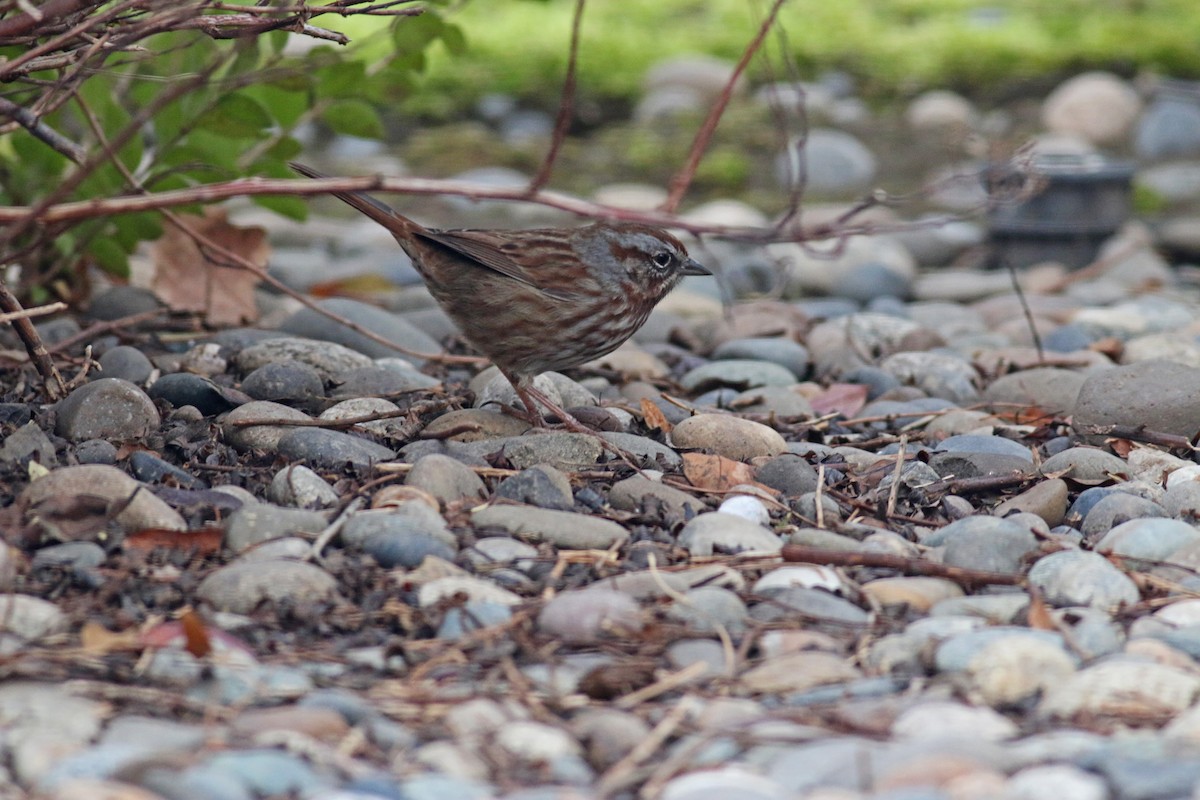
(693, 267)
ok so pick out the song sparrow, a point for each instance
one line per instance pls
(540, 299)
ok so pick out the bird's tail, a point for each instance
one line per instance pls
(375, 209)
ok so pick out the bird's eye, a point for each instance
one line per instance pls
(662, 259)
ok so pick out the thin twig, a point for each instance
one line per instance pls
(566, 105)
(40, 311)
(683, 178)
(40, 130)
(909, 566)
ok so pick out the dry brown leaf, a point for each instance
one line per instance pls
(654, 417)
(1039, 613)
(195, 634)
(203, 542)
(189, 278)
(1121, 447)
(715, 473)
(846, 399)
(97, 639)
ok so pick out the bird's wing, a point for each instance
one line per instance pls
(503, 253)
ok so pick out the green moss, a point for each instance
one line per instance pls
(1146, 201)
(519, 47)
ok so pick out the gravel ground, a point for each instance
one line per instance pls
(865, 527)
(849, 551)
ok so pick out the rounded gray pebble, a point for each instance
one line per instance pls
(561, 528)
(1116, 509)
(287, 381)
(331, 449)
(540, 485)
(1082, 578)
(447, 479)
(108, 408)
(715, 533)
(255, 523)
(589, 615)
(1085, 465)
(779, 350)
(127, 363)
(737, 374)
(96, 451)
(1119, 396)
(297, 485)
(241, 586)
(708, 609)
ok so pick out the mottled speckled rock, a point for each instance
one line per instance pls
(104, 483)
(732, 437)
(108, 408)
(1162, 396)
(241, 586)
(560, 528)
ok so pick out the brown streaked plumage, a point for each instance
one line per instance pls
(542, 299)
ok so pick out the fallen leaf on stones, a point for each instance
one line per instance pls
(1121, 447)
(201, 542)
(1024, 415)
(190, 278)
(715, 473)
(654, 417)
(195, 633)
(174, 634)
(846, 399)
(97, 639)
(1039, 613)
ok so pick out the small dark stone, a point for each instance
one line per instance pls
(149, 468)
(70, 555)
(788, 473)
(57, 330)
(122, 301)
(15, 413)
(378, 381)
(284, 382)
(325, 448)
(109, 408)
(405, 548)
(185, 389)
(96, 451)
(536, 486)
(126, 362)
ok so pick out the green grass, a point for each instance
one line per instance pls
(893, 47)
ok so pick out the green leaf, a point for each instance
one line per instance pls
(237, 116)
(285, 106)
(110, 256)
(141, 227)
(341, 79)
(454, 40)
(278, 40)
(354, 118)
(412, 35)
(284, 205)
(285, 149)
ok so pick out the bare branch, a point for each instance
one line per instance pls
(213, 192)
(565, 106)
(683, 178)
(40, 130)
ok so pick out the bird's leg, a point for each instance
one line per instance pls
(531, 396)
